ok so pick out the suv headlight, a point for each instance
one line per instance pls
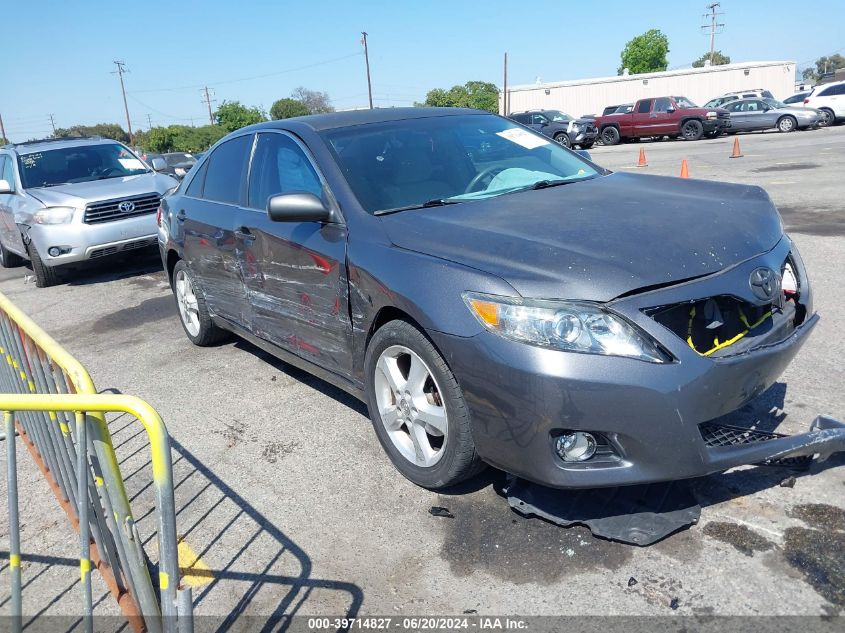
(712, 115)
(564, 325)
(54, 215)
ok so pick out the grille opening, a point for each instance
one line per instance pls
(725, 325)
(109, 210)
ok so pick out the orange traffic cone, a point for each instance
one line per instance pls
(642, 162)
(684, 169)
(736, 153)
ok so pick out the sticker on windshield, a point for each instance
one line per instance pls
(131, 163)
(523, 138)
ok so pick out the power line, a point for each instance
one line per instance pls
(713, 26)
(231, 81)
(119, 72)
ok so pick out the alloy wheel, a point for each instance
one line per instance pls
(410, 406)
(186, 299)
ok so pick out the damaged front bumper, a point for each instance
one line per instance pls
(654, 422)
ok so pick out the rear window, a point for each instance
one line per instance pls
(644, 107)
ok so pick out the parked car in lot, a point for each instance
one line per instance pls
(797, 98)
(67, 201)
(625, 108)
(566, 130)
(765, 114)
(515, 304)
(178, 163)
(755, 93)
(829, 100)
(663, 116)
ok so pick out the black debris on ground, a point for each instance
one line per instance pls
(674, 604)
(632, 581)
(789, 482)
(438, 511)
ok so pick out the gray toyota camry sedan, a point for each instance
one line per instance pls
(495, 298)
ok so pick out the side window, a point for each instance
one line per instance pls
(749, 96)
(827, 92)
(280, 166)
(733, 107)
(538, 119)
(226, 171)
(768, 94)
(7, 170)
(194, 190)
(838, 90)
(644, 107)
(662, 105)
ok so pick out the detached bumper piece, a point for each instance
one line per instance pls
(637, 515)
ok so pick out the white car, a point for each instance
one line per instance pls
(829, 99)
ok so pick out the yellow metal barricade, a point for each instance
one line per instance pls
(49, 400)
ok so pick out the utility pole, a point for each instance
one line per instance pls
(208, 101)
(53, 123)
(3, 129)
(119, 72)
(505, 89)
(149, 122)
(713, 26)
(367, 61)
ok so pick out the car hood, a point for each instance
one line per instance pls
(80, 194)
(597, 239)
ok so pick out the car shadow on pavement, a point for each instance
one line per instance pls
(113, 268)
(245, 571)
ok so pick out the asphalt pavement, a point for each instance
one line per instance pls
(287, 504)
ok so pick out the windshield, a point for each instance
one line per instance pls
(683, 102)
(80, 163)
(557, 115)
(447, 159)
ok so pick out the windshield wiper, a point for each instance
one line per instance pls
(436, 202)
(545, 184)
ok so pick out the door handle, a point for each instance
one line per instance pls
(180, 217)
(244, 233)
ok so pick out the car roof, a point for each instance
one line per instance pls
(333, 120)
(55, 143)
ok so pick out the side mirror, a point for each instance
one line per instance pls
(158, 164)
(6, 187)
(298, 207)
(584, 153)
(670, 110)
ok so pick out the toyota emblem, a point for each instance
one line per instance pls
(127, 206)
(765, 284)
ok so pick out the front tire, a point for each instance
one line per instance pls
(563, 139)
(787, 124)
(45, 276)
(417, 408)
(193, 311)
(610, 136)
(692, 130)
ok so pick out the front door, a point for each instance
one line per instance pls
(294, 272)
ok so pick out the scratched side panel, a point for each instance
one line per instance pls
(296, 278)
(209, 245)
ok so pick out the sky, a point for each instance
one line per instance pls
(58, 55)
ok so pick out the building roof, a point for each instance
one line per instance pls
(641, 76)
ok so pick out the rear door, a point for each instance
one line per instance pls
(740, 119)
(295, 272)
(205, 219)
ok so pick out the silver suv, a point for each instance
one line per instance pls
(67, 201)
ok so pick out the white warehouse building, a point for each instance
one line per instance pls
(590, 96)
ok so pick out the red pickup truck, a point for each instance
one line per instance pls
(663, 116)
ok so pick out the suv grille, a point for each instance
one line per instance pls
(109, 210)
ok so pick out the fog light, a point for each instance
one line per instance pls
(54, 251)
(575, 447)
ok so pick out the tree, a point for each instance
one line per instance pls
(316, 102)
(181, 138)
(287, 108)
(4, 140)
(823, 65)
(718, 59)
(645, 53)
(106, 130)
(473, 94)
(233, 115)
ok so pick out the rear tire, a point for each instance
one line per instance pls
(563, 139)
(828, 118)
(8, 259)
(610, 136)
(401, 407)
(787, 124)
(193, 311)
(45, 276)
(692, 130)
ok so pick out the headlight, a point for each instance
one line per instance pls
(564, 325)
(712, 115)
(54, 215)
